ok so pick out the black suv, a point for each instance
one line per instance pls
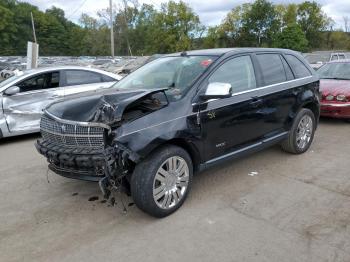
(178, 115)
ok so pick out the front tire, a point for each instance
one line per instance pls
(161, 182)
(302, 133)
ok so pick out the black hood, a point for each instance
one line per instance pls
(105, 107)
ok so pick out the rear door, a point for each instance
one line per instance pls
(278, 98)
(81, 81)
(23, 110)
(280, 89)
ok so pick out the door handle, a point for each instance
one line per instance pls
(256, 101)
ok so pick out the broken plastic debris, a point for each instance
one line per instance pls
(253, 173)
(209, 221)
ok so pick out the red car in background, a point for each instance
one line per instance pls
(335, 89)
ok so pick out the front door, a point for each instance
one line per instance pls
(23, 110)
(232, 122)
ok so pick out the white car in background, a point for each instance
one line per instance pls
(23, 97)
(318, 59)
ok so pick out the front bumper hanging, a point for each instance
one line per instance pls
(78, 163)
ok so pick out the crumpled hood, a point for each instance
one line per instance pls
(106, 107)
(335, 87)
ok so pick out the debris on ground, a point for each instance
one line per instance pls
(94, 198)
(253, 173)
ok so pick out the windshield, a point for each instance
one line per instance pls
(335, 71)
(176, 73)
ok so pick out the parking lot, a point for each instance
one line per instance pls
(295, 208)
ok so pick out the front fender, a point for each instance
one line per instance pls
(145, 140)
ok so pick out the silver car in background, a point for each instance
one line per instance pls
(23, 97)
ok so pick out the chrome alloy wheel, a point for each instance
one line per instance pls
(304, 131)
(171, 182)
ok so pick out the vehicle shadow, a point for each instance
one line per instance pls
(334, 121)
(16, 139)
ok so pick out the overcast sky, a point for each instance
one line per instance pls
(210, 12)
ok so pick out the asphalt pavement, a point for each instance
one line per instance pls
(270, 206)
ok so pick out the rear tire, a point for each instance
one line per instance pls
(161, 182)
(301, 134)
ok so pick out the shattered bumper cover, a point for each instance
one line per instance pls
(78, 163)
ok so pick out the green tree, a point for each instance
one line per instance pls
(339, 40)
(312, 21)
(58, 14)
(51, 34)
(292, 37)
(22, 22)
(214, 38)
(7, 30)
(286, 14)
(230, 30)
(96, 37)
(178, 27)
(144, 31)
(290, 16)
(261, 22)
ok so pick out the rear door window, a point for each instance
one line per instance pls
(287, 69)
(299, 69)
(80, 77)
(272, 68)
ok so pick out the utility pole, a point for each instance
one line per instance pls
(33, 26)
(32, 49)
(126, 26)
(112, 32)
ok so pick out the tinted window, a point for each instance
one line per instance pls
(77, 77)
(272, 68)
(299, 69)
(43, 81)
(341, 56)
(238, 72)
(287, 69)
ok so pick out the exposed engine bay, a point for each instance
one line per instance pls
(116, 114)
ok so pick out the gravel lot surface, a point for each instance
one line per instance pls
(270, 206)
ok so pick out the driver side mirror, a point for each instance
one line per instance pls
(12, 90)
(217, 90)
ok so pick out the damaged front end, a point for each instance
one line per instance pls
(80, 136)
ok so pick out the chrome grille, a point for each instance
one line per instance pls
(71, 135)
